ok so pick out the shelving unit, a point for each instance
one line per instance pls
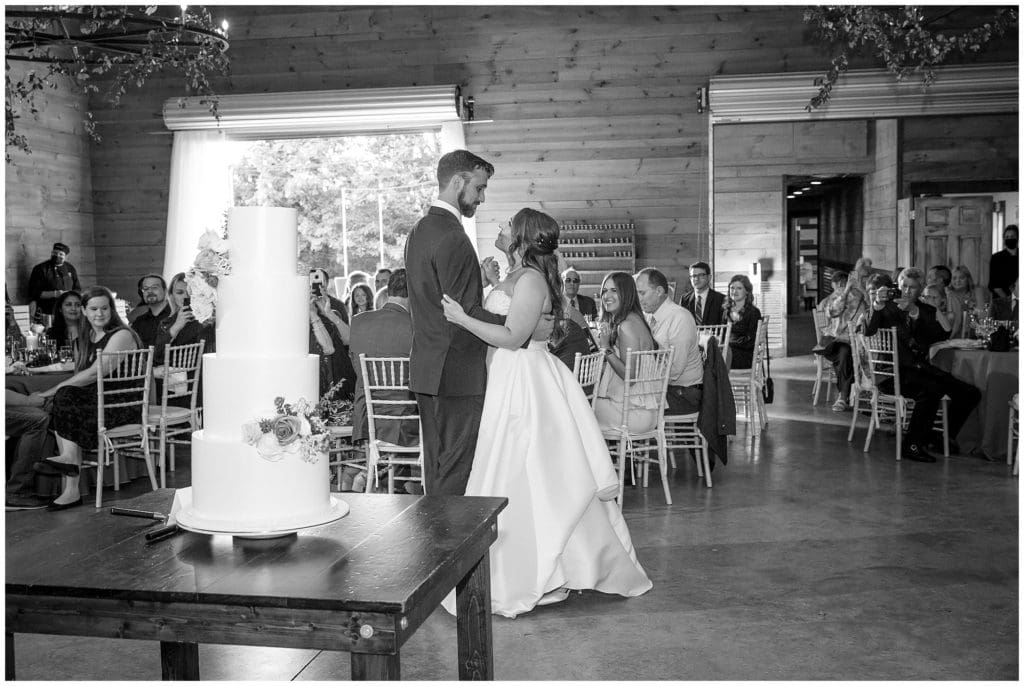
(593, 250)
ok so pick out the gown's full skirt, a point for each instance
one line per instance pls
(540, 446)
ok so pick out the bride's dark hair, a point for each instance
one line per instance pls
(537, 234)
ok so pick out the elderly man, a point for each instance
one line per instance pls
(673, 326)
(386, 332)
(917, 329)
(153, 292)
(51, 278)
(571, 288)
(704, 302)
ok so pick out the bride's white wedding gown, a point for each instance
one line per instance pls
(540, 446)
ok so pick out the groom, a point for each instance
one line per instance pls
(448, 370)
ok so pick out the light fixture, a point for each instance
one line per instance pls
(790, 196)
(702, 99)
(798, 192)
(815, 183)
(806, 188)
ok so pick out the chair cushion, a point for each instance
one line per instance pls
(173, 414)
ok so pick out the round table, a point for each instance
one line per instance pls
(996, 376)
(34, 383)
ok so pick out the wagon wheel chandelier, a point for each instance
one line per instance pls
(110, 35)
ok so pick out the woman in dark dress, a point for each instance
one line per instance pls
(73, 411)
(739, 308)
(68, 322)
(181, 327)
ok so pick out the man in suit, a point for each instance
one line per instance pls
(51, 278)
(571, 287)
(703, 302)
(385, 332)
(448, 364)
(916, 330)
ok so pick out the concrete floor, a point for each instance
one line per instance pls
(809, 559)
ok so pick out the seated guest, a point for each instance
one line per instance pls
(916, 330)
(153, 291)
(73, 412)
(386, 332)
(360, 299)
(935, 296)
(68, 322)
(571, 289)
(952, 311)
(381, 278)
(862, 271)
(622, 328)
(355, 277)
(672, 325)
(739, 308)
(1005, 309)
(180, 326)
(972, 297)
(704, 302)
(319, 283)
(26, 422)
(328, 337)
(13, 329)
(844, 306)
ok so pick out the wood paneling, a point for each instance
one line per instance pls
(880, 195)
(48, 193)
(959, 149)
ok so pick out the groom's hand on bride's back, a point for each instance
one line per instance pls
(544, 327)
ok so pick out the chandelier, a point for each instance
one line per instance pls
(111, 34)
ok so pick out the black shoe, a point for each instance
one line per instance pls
(26, 502)
(57, 507)
(917, 453)
(49, 465)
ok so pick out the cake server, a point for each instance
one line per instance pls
(144, 514)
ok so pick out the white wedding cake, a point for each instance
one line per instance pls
(245, 480)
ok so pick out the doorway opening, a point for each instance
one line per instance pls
(824, 220)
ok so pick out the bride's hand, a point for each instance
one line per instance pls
(453, 311)
(489, 271)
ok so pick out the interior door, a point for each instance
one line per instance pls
(954, 231)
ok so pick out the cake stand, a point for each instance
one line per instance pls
(186, 518)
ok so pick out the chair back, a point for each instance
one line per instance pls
(861, 366)
(123, 381)
(388, 398)
(820, 322)
(21, 315)
(183, 365)
(587, 370)
(757, 362)
(719, 331)
(646, 381)
(883, 357)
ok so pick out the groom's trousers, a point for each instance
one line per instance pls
(450, 427)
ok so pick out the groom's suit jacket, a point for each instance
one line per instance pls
(440, 260)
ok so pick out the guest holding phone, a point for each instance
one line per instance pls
(180, 327)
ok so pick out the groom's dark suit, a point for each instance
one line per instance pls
(448, 370)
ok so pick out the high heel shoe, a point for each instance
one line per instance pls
(49, 463)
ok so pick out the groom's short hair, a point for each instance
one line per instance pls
(458, 162)
(397, 284)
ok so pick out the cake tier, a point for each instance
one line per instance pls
(232, 484)
(240, 389)
(263, 240)
(265, 314)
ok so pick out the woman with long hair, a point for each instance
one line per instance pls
(74, 410)
(971, 297)
(622, 328)
(739, 308)
(541, 446)
(68, 323)
(361, 299)
(181, 327)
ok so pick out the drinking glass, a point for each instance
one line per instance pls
(65, 353)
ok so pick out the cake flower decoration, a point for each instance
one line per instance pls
(295, 431)
(210, 264)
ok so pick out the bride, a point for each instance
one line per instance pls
(540, 445)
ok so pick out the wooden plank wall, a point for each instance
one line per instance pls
(950, 149)
(48, 193)
(750, 166)
(592, 109)
(880, 192)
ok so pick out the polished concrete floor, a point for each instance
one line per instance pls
(809, 559)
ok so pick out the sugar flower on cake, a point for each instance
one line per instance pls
(296, 430)
(210, 264)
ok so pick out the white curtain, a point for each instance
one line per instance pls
(200, 192)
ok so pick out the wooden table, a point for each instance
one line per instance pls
(995, 374)
(362, 584)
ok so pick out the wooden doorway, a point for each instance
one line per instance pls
(954, 231)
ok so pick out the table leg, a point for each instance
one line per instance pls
(9, 665)
(367, 667)
(179, 661)
(473, 609)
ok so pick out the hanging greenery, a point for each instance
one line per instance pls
(102, 51)
(905, 39)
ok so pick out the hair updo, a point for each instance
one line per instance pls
(536, 234)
